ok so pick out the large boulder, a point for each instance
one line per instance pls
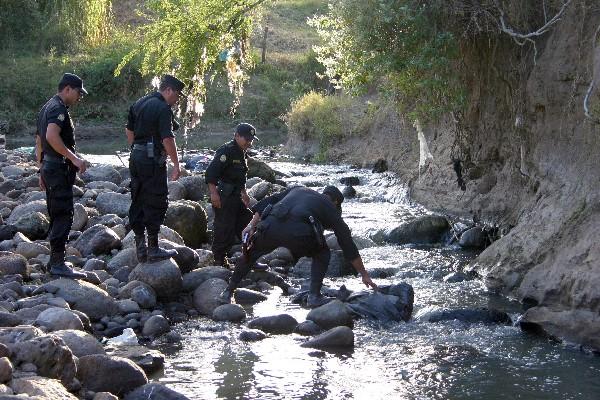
(163, 276)
(206, 296)
(264, 189)
(335, 313)
(176, 191)
(427, 229)
(31, 249)
(81, 343)
(99, 239)
(34, 226)
(102, 173)
(229, 312)
(40, 388)
(123, 258)
(113, 203)
(117, 375)
(188, 218)
(11, 264)
(260, 169)
(340, 336)
(195, 188)
(26, 209)
(389, 303)
(155, 326)
(275, 324)
(84, 297)
(56, 319)
(473, 238)
(195, 278)
(154, 391)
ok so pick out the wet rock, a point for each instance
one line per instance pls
(144, 296)
(163, 276)
(195, 278)
(117, 375)
(151, 361)
(31, 250)
(308, 328)
(380, 166)
(247, 296)
(195, 187)
(6, 370)
(456, 277)
(85, 297)
(11, 264)
(98, 239)
(154, 391)
(34, 226)
(474, 238)
(275, 324)
(468, 315)
(206, 295)
(260, 169)
(7, 319)
(126, 257)
(427, 229)
(390, 303)
(41, 388)
(349, 192)
(81, 343)
(26, 209)
(186, 258)
(155, 326)
(338, 337)
(105, 396)
(188, 218)
(350, 181)
(56, 319)
(102, 173)
(252, 335)
(229, 312)
(335, 313)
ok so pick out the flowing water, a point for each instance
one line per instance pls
(414, 360)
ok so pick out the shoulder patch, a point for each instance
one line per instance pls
(223, 158)
(61, 117)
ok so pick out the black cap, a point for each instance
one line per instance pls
(172, 82)
(335, 194)
(73, 81)
(246, 130)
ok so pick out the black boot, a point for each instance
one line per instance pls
(58, 267)
(141, 250)
(155, 253)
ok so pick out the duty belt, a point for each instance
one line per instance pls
(141, 147)
(54, 159)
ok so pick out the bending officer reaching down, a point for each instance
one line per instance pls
(150, 126)
(59, 162)
(295, 219)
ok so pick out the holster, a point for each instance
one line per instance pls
(225, 189)
(318, 231)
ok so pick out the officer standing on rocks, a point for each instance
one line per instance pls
(150, 126)
(295, 218)
(226, 179)
(59, 162)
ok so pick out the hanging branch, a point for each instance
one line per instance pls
(586, 108)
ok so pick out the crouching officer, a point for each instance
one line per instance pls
(226, 179)
(150, 126)
(295, 219)
(55, 153)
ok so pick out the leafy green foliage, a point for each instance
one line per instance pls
(401, 46)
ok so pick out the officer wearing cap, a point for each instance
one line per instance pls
(226, 179)
(149, 130)
(59, 162)
(295, 218)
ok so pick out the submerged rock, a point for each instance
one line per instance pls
(275, 324)
(340, 336)
(308, 328)
(206, 296)
(154, 391)
(117, 375)
(389, 303)
(247, 296)
(335, 313)
(469, 315)
(252, 335)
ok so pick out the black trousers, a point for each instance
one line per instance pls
(230, 221)
(149, 193)
(59, 179)
(281, 234)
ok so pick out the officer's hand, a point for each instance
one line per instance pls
(245, 199)
(248, 230)
(368, 282)
(175, 173)
(79, 163)
(215, 200)
(42, 183)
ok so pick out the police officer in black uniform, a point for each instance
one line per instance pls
(226, 179)
(59, 162)
(150, 126)
(295, 219)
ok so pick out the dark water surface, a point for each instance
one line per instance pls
(414, 360)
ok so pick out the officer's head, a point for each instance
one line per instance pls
(71, 88)
(335, 195)
(245, 134)
(170, 88)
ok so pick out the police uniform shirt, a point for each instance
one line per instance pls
(55, 112)
(230, 165)
(151, 119)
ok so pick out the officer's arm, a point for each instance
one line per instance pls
(130, 136)
(171, 149)
(130, 126)
(38, 149)
(55, 141)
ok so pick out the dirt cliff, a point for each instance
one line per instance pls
(530, 160)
